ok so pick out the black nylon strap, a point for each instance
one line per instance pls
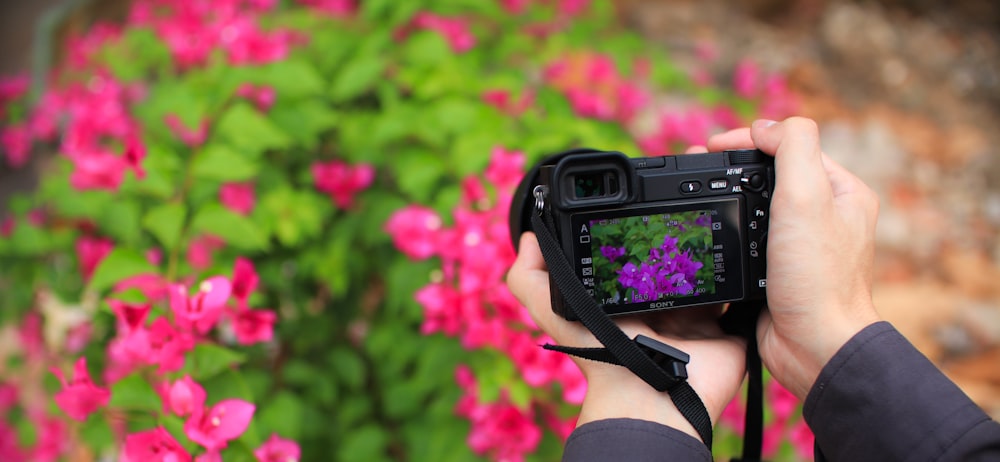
(620, 348)
(741, 319)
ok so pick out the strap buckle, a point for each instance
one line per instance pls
(670, 359)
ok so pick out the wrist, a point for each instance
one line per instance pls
(617, 395)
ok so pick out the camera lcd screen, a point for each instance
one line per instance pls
(661, 256)
(652, 257)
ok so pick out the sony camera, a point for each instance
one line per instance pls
(655, 233)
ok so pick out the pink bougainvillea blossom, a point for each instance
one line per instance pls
(506, 103)
(499, 429)
(342, 181)
(595, 88)
(777, 101)
(238, 197)
(261, 96)
(156, 445)
(277, 449)
(168, 345)
(15, 140)
(153, 286)
(415, 230)
(782, 402)
(505, 169)
(90, 251)
(201, 250)
(210, 456)
(200, 312)
(192, 138)
(245, 280)
(336, 8)
(455, 30)
(52, 442)
(79, 397)
(802, 439)
(253, 326)
(213, 428)
(13, 87)
(185, 397)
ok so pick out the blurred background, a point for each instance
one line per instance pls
(907, 95)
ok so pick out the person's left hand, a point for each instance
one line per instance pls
(715, 372)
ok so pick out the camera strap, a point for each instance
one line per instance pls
(661, 366)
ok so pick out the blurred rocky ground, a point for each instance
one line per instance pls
(907, 93)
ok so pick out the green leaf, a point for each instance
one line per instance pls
(207, 360)
(121, 263)
(282, 415)
(165, 222)
(119, 219)
(347, 365)
(293, 78)
(357, 76)
(365, 443)
(219, 162)
(135, 393)
(305, 120)
(237, 230)
(250, 131)
(293, 215)
(418, 172)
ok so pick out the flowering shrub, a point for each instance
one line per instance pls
(277, 231)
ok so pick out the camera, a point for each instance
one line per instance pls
(654, 233)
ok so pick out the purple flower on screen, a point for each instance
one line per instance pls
(703, 220)
(612, 253)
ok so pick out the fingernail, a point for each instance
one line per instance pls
(763, 123)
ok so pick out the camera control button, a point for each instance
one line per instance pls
(718, 183)
(690, 187)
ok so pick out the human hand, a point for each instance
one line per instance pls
(820, 252)
(717, 361)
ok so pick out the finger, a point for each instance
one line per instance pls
(794, 144)
(733, 139)
(696, 149)
(528, 279)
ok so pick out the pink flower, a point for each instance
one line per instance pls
(261, 96)
(506, 168)
(537, 365)
(252, 326)
(53, 438)
(442, 309)
(802, 439)
(571, 8)
(734, 415)
(90, 251)
(130, 317)
(210, 456)
(454, 30)
(7, 227)
(201, 249)
(167, 346)
(773, 434)
(185, 397)
(153, 286)
(135, 152)
(215, 427)
(192, 138)
(747, 79)
(245, 280)
(336, 8)
(499, 429)
(10, 447)
(782, 402)
(13, 87)
(238, 197)
(80, 397)
(98, 170)
(156, 445)
(8, 396)
(277, 449)
(502, 100)
(415, 231)
(201, 311)
(342, 181)
(16, 143)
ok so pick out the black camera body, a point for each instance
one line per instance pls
(653, 233)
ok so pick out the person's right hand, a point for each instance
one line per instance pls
(820, 252)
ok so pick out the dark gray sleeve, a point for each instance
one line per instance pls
(634, 441)
(881, 399)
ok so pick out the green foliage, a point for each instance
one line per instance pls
(349, 375)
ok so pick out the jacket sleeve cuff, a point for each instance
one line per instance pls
(888, 400)
(632, 440)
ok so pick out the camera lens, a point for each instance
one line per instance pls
(589, 185)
